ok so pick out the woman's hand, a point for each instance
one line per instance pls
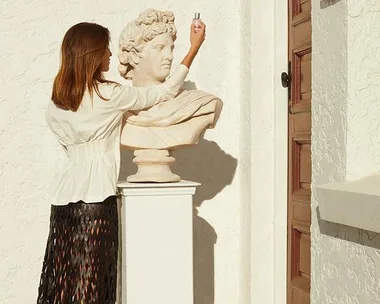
(197, 36)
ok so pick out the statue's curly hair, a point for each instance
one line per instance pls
(146, 27)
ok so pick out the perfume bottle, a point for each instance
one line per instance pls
(197, 22)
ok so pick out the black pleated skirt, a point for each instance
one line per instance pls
(80, 264)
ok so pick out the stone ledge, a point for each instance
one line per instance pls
(352, 203)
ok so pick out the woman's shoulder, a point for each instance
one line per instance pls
(108, 85)
(107, 89)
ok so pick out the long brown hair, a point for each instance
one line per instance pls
(82, 51)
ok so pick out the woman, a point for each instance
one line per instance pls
(80, 264)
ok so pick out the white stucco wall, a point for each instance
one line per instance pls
(363, 120)
(345, 144)
(31, 33)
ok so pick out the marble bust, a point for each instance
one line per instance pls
(145, 57)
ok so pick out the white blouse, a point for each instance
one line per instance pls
(91, 137)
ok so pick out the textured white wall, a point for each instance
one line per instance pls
(345, 144)
(363, 133)
(31, 32)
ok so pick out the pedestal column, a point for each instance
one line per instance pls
(157, 242)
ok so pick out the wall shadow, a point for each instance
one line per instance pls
(326, 3)
(209, 165)
(127, 167)
(204, 240)
(189, 85)
(350, 234)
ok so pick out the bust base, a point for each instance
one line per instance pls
(153, 166)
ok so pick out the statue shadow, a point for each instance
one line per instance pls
(209, 165)
(327, 3)
(189, 85)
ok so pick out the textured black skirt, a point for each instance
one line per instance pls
(80, 264)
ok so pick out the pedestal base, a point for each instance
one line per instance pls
(153, 166)
(157, 242)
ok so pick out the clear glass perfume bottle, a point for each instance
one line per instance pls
(197, 22)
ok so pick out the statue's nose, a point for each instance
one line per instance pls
(170, 56)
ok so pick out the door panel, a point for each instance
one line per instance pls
(299, 153)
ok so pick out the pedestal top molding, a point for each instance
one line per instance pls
(182, 187)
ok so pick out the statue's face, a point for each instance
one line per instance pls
(156, 58)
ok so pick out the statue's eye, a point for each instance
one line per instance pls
(160, 47)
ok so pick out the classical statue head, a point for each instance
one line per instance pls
(145, 57)
(146, 47)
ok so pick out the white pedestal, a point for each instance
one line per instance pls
(157, 242)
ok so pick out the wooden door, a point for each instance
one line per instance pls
(299, 156)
